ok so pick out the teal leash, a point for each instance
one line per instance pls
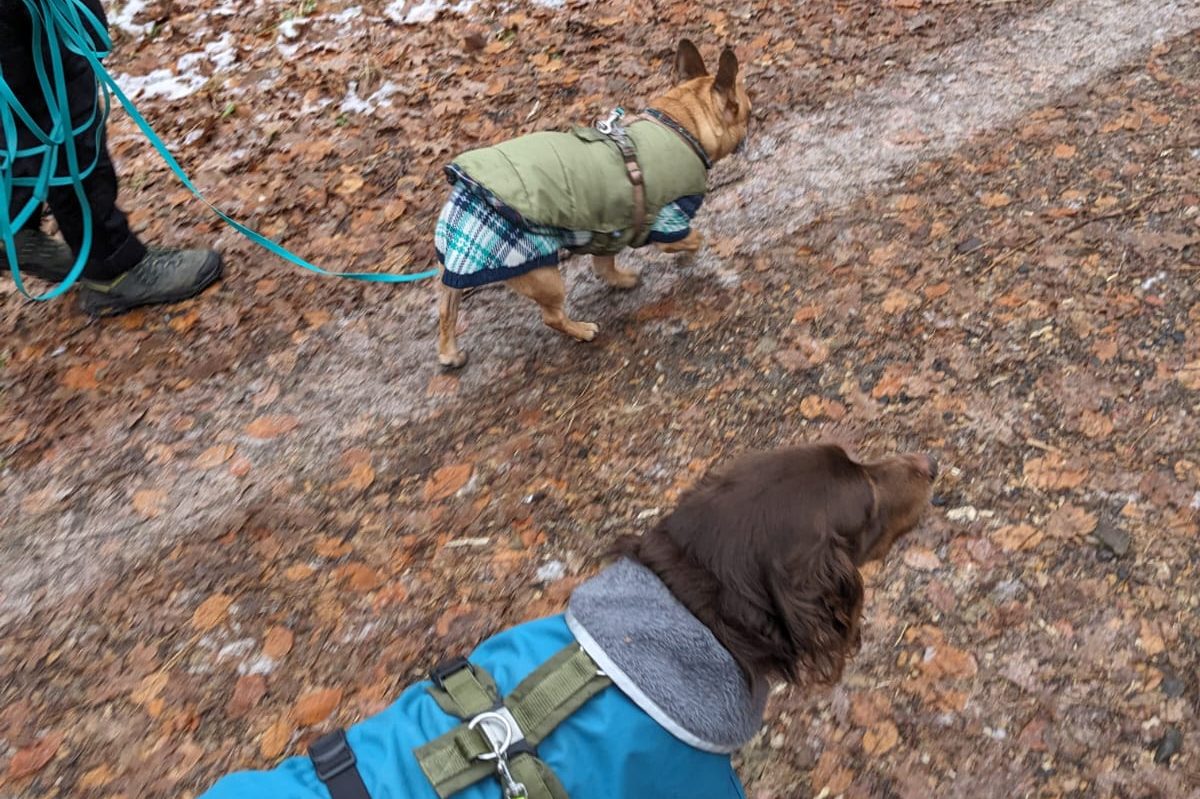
(65, 20)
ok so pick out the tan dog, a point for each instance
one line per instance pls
(710, 113)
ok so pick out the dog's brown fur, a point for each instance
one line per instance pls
(715, 110)
(766, 553)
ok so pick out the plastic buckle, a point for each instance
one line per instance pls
(442, 671)
(331, 755)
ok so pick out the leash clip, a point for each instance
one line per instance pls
(501, 731)
(612, 126)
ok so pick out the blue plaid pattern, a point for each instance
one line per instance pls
(479, 240)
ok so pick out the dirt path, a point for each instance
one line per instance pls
(303, 475)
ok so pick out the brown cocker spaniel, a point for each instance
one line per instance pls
(765, 551)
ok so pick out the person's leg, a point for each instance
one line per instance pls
(114, 248)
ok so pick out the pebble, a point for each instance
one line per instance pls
(1168, 746)
(1172, 686)
(967, 513)
(1113, 538)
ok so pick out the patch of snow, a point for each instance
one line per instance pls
(346, 16)
(1149, 282)
(407, 12)
(123, 18)
(260, 665)
(186, 79)
(966, 513)
(237, 649)
(552, 571)
(1196, 501)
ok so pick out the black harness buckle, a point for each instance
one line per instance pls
(331, 755)
(439, 674)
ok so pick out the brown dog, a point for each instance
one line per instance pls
(491, 233)
(765, 552)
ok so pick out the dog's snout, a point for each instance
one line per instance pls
(929, 465)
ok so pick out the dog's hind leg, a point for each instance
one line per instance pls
(605, 267)
(545, 287)
(449, 355)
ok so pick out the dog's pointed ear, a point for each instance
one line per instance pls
(688, 61)
(726, 81)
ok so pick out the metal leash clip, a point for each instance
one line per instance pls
(612, 126)
(497, 728)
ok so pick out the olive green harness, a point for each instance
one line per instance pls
(609, 179)
(499, 737)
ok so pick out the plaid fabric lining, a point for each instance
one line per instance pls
(478, 243)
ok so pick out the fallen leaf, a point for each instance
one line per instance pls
(330, 547)
(149, 688)
(34, 758)
(350, 185)
(298, 572)
(1070, 521)
(278, 642)
(83, 378)
(1053, 472)
(98, 777)
(316, 706)
(996, 199)
(271, 426)
(211, 612)
(898, 301)
(1017, 537)
(1064, 151)
(1149, 639)
(1189, 376)
(1105, 350)
(275, 739)
(247, 693)
(447, 481)
(881, 738)
(361, 477)
(921, 559)
(214, 456)
(149, 502)
(946, 661)
(1095, 425)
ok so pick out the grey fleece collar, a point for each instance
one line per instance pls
(664, 659)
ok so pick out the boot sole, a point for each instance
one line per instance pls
(98, 304)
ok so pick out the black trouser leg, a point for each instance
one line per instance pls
(114, 247)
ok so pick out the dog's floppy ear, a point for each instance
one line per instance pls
(818, 600)
(688, 61)
(725, 84)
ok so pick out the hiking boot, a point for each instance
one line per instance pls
(40, 255)
(163, 276)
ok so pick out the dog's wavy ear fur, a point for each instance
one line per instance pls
(689, 63)
(763, 552)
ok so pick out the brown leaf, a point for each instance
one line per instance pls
(278, 642)
(247, 693)
(275, 739)
(98, 777)
(214, 456)
(1149, 640)
(34, 758)
(83, 378)
(360, 479)
(316, 706)
(1189, 376)
(1017, 537)
(298, 572)
(946, 661)
(1105, 350)
(359, 577)
(211, 612)
(1070, 521)
(149, 502)
(1095, 425)
(995, 199)
(447, 481)
(921, 559)
(1053, 472)
(890, 383)
(330, 547)
(899, 301)
(881, 738)
(1064, 151)
(271, 426)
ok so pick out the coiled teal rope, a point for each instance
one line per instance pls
(69, 24)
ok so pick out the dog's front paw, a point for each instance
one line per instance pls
(584, 331)
(621, 279)
(453, 360)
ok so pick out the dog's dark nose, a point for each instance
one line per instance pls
(930, 465)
